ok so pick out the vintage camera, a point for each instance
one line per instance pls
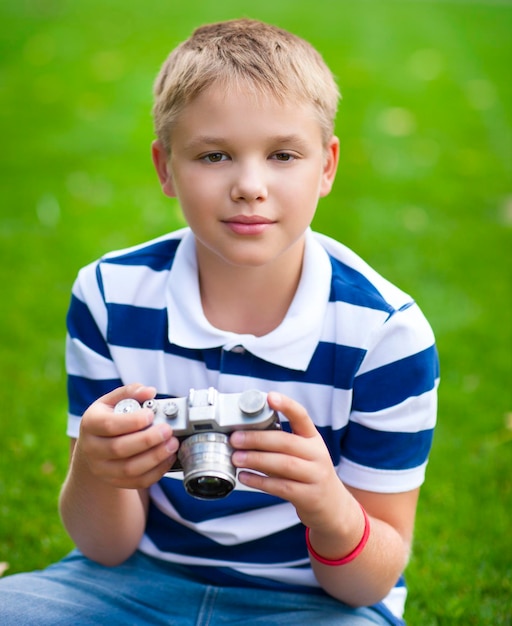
(202, 421)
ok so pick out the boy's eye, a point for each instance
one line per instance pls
(283, 156)
(214, 157)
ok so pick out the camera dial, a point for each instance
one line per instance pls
(252, 402)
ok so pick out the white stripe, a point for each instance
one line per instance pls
(130, 284)
(410, 416)
(395, 601)
(303, 576)
(82, 361)
(170, 374)
(233, 529)
(73, 429)
(351, 325)
(406, 333)
(381, 481)
(87, 283)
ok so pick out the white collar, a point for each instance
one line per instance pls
(290, 345)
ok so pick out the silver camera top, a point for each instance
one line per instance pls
(208, 410)
(203, 421)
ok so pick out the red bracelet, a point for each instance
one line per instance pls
(350, 557)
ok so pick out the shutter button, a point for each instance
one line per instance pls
(252, 402)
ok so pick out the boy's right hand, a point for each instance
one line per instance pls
(125, 450)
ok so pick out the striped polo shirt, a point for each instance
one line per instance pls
(353, 349)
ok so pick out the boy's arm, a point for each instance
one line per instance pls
(297, 467)
(373, 573)
(104, 499)
(105, 522)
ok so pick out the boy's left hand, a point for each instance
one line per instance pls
(297, 466)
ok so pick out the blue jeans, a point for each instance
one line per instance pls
(144, 590)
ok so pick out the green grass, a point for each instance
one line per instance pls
(423, 193)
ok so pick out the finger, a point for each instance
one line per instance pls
(101, 420)
(281, 466)
(271, 441)
(155, 474)
(133, 444)
(289, 490)
(294, 412)
(145, 479)
(146, 462)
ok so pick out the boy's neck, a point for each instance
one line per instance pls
(249, 300)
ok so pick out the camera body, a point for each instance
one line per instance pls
(203, 421)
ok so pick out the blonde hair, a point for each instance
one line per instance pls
(244, 54)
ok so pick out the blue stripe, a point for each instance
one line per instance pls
(145, 328)
(171, 536)
(226, 577)
(332, 439)
(401, 582)
(331, 364)
(82, 392)
(157, 256)
(137, 327)
(197, 511)
(385, 450)
(99, 279)
(349, 285)
(81, 325)
(393, 383)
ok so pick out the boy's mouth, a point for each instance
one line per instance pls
(248, 224)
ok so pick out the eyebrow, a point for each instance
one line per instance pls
(204, 140)
(210, 140)
(293, 139)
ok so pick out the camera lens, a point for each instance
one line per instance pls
(209, 487)
(208, 473)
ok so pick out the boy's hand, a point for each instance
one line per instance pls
(125, 450)
(297, 466)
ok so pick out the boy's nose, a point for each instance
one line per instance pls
(249, 185)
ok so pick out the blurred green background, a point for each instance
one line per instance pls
(423, 193)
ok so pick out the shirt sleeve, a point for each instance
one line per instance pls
(91, 371)
(386, 444)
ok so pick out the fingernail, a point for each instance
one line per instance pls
(274, 397)
(238, 459)
(165, 431)
(237, 438)
(172, 445)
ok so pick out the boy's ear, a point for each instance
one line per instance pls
(161, 163)
(332, 155)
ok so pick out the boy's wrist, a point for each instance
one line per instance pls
(329, 558)
(343, 533)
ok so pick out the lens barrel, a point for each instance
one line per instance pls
(208, 473)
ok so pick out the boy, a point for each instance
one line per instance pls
(320, 523)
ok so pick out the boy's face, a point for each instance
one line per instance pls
(248, 173)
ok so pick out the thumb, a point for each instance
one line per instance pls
(137, 391)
